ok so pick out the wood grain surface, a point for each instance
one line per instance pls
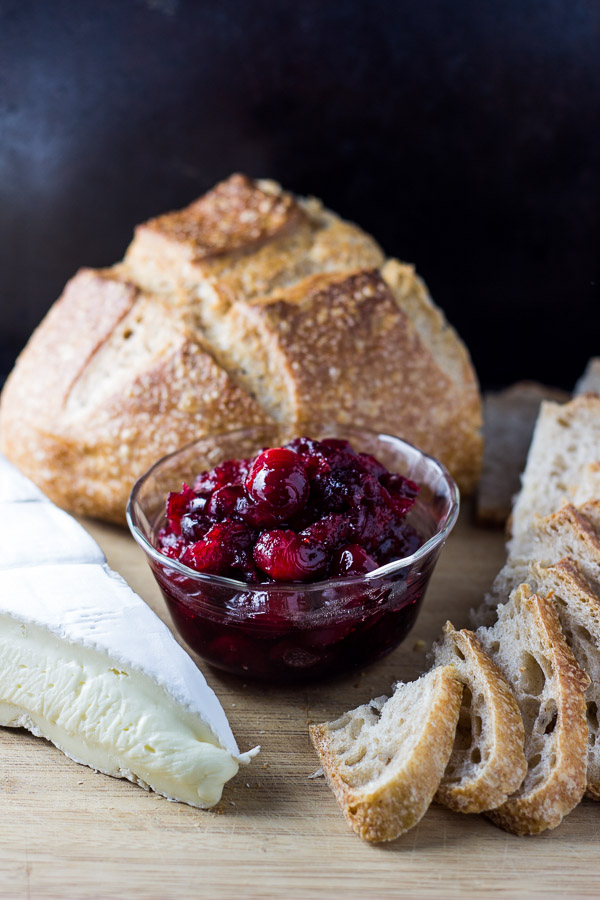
(66, 832)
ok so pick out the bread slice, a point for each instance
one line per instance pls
(566, 438)
(530, 649)
(591, 508)
(384, 760)
(579, 613)
(508, 421)
(488, 761)
(565, 533)
(590, 380)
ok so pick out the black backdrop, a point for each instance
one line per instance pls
(463, 134)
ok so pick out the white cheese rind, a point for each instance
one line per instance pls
(38, 534)
(14, 486)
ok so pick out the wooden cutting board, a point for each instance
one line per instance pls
(66, 832)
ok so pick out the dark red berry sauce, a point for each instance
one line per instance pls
(309, 514)
(304, 512)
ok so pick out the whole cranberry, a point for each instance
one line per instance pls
(352, 560)
(277, 482)
(285, 556)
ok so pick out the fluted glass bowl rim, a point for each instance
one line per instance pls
(391, 568)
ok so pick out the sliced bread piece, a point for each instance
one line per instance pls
(384, 760)
(508, 420)
(567, 532)
(591, 508)
(579, 613)
(488, 761)
(590, 380)
(566, 438)
(529, 647)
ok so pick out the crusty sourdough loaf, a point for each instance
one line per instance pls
(384, 760)
(530, 649)
(245, 307)
(487, 762)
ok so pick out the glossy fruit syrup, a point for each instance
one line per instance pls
(293, 525)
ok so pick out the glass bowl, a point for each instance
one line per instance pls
(295, 632)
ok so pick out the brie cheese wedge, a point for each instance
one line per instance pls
(85, 663)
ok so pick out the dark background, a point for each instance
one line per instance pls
(463, 134)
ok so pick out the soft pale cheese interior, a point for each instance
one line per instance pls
(107, 716)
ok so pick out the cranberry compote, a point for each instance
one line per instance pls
(302, 529)
(287, 515)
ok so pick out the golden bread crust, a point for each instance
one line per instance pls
(385, 807)
(502, 766)
(545, 804)
(86, 435)
(235, 216)
(255, 306)
(578, 608)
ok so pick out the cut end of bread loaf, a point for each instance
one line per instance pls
(488, 761)
(384, 762)
(530, 649)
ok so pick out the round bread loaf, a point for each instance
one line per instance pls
(248, 306)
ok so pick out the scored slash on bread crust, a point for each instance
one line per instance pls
(384, 762)
(113, 399)
(530, 649)
(487, 762)
(246, 307)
